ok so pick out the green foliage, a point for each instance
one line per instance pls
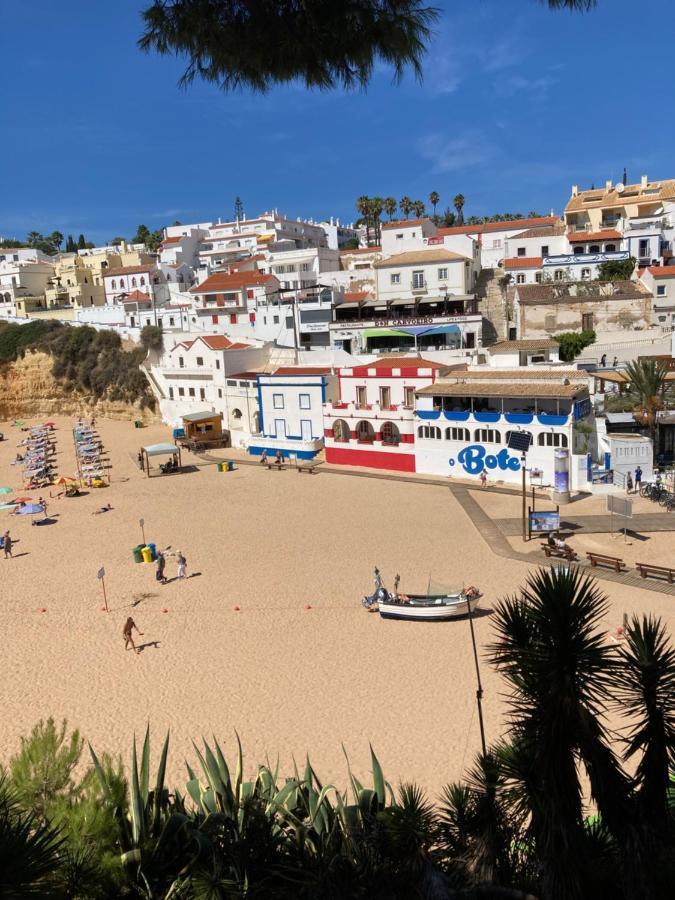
(152, 337)
(151, 239)
(351, 244)
(43, 768)
(616, 269)
(573, 342)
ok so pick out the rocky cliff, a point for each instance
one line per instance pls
(28, 388)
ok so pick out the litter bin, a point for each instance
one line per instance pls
(219, 466)
(229, 464)
(153, 551)
(146, 553)
(138, 553)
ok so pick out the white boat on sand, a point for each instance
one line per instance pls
(436, 606)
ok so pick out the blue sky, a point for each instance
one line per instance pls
(517, 104)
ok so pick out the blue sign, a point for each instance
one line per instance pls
(475, 458)
(546, 520)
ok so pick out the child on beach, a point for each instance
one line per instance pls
(182, 565)
(7, 545)
(127, 634)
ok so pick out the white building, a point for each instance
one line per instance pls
(514, 354)
(24, 255)
(492, 237)
(660, 281)
(291, 410)
(338, 235)
(20, 280)
(298, 268)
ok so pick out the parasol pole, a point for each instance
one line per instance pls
(479, 686)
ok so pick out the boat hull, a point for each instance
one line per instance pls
(431, 613)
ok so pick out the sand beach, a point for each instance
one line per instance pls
(288, 678)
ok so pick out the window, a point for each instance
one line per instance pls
(399, 236)
(559, 275)
(385, 397)
(114, 284)
(233, 318)
(122, 283)
(365, 433)
(594, 248)
(661, 290)
(172, 321)
(191, 392)
(275, 320)
(390, 434)
(585, 274)
(643, 250)
(202, 394)
(360, 396)
(457, 434)
(544, 250)
(587, 322)
(133, 282)
(395, 278)
(487, 436)
(304, 267)
(170, 393)
(429, 431)
(443, 274)
(537, 277)
(521, 251)
(200, 360)
(341, 432)
(305, 402)
(578, 250)
(520, 278)
(181, 362)
(417, 280)
(551, 439)
(231, 383)
(610, 248)
(278, 401)
(181, 392)
(496, 244)
(217, 364)
(142, 280)
(220, 392)
(409, 396)
(236, 414)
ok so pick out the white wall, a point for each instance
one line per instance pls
(293, 391)
(455, 283)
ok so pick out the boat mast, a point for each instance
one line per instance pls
(479, 687)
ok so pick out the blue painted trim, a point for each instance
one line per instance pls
(456, 415)
(519, 418)
(547, 419)
(487, 416)
(300, 454)
(260, 407)
(428, 413)
(324, 382)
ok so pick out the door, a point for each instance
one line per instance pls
(306, 429)
(280, 428)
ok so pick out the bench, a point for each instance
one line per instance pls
(275, 465)
(612, 562)
(568, 553)
(307, 467)
(647, 569)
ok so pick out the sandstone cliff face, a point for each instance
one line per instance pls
(28, 388)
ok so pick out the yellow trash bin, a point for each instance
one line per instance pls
(146, 553)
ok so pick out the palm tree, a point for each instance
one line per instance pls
(363, 207)
(647, 387)
(433, 199)
(560, 670)
(448, 217)
(56, 238)
(390, 206)
(33, 238)
(376, 207)
(405, 205)
(458, 203)
(418, 207)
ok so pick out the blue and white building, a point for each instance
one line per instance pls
(290, 404)
(464, 421)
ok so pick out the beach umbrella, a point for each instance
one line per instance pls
(65, 479)
(31, 509)
(5, 490)
(23, 500)
(48, 424)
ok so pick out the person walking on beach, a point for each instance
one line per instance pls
(483, 478)
(161, 565)
(629, 483)
(182, 565)
(638, 479)
(7, 545)
(127, 634)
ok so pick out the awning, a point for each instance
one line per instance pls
(402, 302)
(200, 416)
(444, 329)
(159, 449)
(374, 303)
(383, 332)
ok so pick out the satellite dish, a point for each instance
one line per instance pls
(620, 187)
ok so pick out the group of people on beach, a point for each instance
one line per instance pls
(181, 566)
(634, 488)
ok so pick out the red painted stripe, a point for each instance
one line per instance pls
(373, 459)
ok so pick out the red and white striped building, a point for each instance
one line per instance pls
(372, 423)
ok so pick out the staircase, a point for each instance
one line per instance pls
(491, 295)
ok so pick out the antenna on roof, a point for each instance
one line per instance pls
(624, 180)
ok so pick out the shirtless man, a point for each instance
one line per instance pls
(127, 631)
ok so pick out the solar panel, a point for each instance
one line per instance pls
(520, 441)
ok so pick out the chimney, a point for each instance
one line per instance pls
(644, 182)
(608, 185)
(575, 190)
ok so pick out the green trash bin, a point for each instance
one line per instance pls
(138, 556)
(220, 467)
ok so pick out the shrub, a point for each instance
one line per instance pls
(573, 342)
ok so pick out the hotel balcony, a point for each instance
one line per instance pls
(352, 410)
